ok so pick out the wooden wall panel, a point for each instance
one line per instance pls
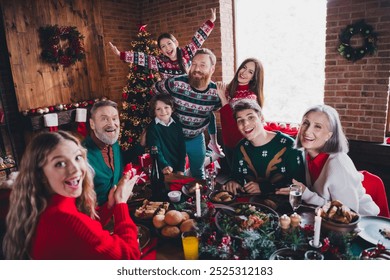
(39, 84)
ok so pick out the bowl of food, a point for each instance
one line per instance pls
(222, 197)
(337, 217)
(174, 196)
(237, 217)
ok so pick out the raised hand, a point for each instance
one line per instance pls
(221, 90)
(114, 49)
(125, 188)
(213, 14)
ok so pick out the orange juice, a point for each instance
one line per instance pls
(190, 247)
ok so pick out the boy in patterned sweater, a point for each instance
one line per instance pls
(263, 161)
(195, 98)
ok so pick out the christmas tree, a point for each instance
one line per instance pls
(137, 93)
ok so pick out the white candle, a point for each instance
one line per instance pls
(317, 229)
(197, 194)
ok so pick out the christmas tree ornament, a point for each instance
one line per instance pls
(140, 80)
(59, 107)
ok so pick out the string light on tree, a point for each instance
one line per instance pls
(137, 92)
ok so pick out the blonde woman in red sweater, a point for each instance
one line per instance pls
(52, 211)
(248, 83)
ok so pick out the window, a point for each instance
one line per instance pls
(288, 37)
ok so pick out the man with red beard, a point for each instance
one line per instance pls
(104, 154)
(195, 98)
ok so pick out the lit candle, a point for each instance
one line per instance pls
(197, 195)
(317, 229)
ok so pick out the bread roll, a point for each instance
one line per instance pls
(173, 217)
(158, 221)
(170, 231)
(188, 225)
(185, 215)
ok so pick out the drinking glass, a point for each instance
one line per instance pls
(313, 255)
(190, 242)
(295, 196)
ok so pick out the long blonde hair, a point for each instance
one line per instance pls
(31, 194)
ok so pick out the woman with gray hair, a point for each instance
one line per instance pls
(330, 172)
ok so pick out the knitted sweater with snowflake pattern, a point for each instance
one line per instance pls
(161, 63)
(193, 107)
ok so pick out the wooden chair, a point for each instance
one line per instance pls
(374, 186)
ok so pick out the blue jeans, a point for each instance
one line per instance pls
(196, 151)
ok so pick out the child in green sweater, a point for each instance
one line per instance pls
(166, 134)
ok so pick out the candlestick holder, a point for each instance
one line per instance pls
(311, 243)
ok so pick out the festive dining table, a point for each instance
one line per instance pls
(273, 243)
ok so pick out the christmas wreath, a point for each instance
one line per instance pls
(61, 45)
(369, 41)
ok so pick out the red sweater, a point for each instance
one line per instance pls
(63, 233)
(230, 133)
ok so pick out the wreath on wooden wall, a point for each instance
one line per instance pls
(61, 45)
(369, 41)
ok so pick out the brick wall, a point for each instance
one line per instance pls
(182, 18)
(120, 24)
(359, 90)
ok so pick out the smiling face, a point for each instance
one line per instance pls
(245, 74)
(105, 124)
(314, 132)
(65, 169)
(250, 124)
(168, 48)
(200, 71)
(163, 111)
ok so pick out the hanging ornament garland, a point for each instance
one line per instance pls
(61, 45)
(369, 41)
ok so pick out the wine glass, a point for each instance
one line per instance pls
(295, 197)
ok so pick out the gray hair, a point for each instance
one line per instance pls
(212, 56)
(103, 103)
(338, 141)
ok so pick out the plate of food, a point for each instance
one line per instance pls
(148, 209)
(222, 197)
(337, 217)
(171, 225)
(140, 193)
(375, 229)
(246, 216)
(143, 236)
